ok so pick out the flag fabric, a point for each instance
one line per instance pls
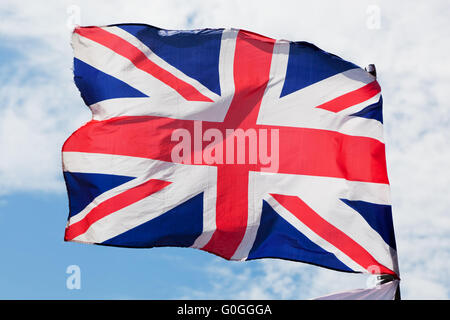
(230, 142)
(385, 291)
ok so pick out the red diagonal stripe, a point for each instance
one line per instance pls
(127, 50)
(114, 204)
(330, 233)
(352, 98)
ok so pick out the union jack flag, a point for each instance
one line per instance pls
(327, 200)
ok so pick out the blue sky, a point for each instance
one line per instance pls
(40, 107)
(36, 259)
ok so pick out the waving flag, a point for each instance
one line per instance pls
(230, 142)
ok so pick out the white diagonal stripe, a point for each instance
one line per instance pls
(298, 109)
(164, 101)
(153, 57)
(310, 234)
(329, 206)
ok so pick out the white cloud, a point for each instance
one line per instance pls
(40, 106)
(36, 115)
(273, 279)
